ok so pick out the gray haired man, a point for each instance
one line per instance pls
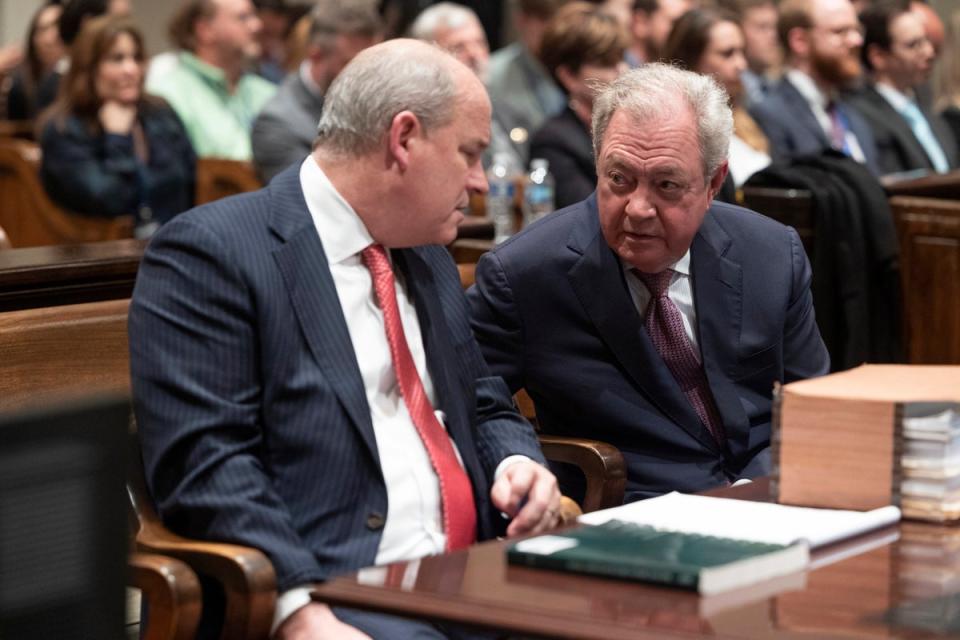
(649, 315)
(284, 131)
(304, 374)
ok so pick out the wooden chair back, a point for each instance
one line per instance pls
(792, 207)
(929, 232)
(28, 215)
(218, 178)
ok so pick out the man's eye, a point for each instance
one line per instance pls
(669, 185)
(616, 179)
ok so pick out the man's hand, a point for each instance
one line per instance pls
(527, 492)
(316, 622)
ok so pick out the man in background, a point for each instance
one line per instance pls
(210, 84)
(806, 113)
(457, 29)
(758, 19)
(899, 59)
(650, 27)
(284, 131)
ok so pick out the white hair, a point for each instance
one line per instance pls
(651, 93)
(379, 83)
(442, 14)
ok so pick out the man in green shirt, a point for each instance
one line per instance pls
(209, 84)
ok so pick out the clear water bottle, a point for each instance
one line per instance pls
(538, 192)
(501, 177)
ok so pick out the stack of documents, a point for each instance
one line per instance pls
(930, 461)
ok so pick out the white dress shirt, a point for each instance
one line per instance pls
(818, 102)
(414, 524)
(680, 291)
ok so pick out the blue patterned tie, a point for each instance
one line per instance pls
(924, 135)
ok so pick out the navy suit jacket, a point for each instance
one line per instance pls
(793, 130)
(897, 146)
(553, 315)
(250, 406)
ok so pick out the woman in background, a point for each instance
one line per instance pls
(710, 42)
(582, 45)
(44, 50)
(108, 149)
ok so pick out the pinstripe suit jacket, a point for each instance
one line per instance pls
(251, 410)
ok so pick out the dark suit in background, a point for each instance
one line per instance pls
(565, 142)
(793, 129)
(553, 315)
(284, 132)
(897, 147)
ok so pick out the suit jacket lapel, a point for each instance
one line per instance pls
(597, 279)
(313, 295)
(899, 128)
(802, 114)
(452, 397)
(718, 296)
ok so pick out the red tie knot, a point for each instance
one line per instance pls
(375, 258)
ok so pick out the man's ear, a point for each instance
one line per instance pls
(717, 180)
(404, 129)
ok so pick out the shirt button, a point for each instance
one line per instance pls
(375, 521)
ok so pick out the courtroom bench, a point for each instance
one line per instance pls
(68, 274)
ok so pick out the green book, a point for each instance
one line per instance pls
(618, 549)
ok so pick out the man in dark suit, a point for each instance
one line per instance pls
(304, 374)
(645, 315)
(805, 113)
(284, 131)
(899, 57)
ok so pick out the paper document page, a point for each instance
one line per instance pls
(745, 520)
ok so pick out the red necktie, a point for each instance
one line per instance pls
(456, 493)
(664, 324)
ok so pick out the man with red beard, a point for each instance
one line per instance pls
(805, 114)
(899, 57)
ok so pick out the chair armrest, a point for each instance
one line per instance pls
(246, 575)
(172, 593)
(602, 465)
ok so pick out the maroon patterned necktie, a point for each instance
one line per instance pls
(664, 324)
(456, 493)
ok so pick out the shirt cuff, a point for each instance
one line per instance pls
(506, 462)
(288, 603)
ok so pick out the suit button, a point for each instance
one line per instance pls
(375, 521)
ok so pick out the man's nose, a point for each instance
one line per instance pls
(639, 206)
(477, 180)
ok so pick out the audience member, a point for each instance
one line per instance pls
(457, 29)
(646, 316)
(711, 42)
(758, 19)
(75, 13)
(651, 24)
(948, 78)
(284, 131)
(275, 20)
(582, 46)
(108, 149)
(522, 92)
(44, 50)
(210, 85)
(899, 59)
(805, 113)
(273, 407)
(932, 24)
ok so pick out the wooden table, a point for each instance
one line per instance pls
(865, 595)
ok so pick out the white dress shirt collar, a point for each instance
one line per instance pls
(343, 233)
(897, 99)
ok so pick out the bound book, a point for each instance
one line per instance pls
(872, 436)
(618, 549)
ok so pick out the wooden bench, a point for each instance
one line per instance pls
(218, 178)
(28, 215)
(929, 231)
(68, 274)
(945, 186)
(792, 207)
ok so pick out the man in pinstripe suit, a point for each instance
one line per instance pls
(267, 399)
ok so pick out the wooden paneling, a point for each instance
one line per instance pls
(929, 231)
